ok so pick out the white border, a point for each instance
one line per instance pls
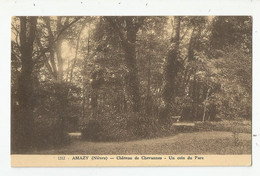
(10, 8)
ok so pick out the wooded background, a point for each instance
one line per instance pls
(121, 78)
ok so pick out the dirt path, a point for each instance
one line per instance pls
(185, 143)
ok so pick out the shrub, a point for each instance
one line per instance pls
(48, 134)
(92, 131)
(121, 127)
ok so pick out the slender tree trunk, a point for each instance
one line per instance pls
(205, 106)
(76, 52)
(148, 90)
(94, 104)
(61, 94)
(60, 60)
(84, 81)
(194, 94)
(61, 91)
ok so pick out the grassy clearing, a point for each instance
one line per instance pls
(214, 142)
(227, 125)
(201, 138)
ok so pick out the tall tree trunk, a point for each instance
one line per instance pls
(128, 40)
(23, 125)
(171, 70)
(148, 108)
(61, 95)
(61, 91)
(130, 58)
(84, 81)
(195, 35)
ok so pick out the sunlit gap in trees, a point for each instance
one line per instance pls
(68, 48)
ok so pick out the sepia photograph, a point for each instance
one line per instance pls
(131, 85)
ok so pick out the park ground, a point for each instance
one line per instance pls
(207, 141)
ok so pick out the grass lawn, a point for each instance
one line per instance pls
(210, 142)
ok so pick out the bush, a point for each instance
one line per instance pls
(142, 126)
(48, 134)
(121, 127)
(92, 131)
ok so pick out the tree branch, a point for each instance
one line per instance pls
(140, 22)
(51, 70)
(77, 47)
(184, 34)
(57, 38)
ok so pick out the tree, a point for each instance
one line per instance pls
(23, 120)
(128, 37)
(57, 33)
(172, 67)
(231, 45)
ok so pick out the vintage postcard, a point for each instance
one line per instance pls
(131, 91)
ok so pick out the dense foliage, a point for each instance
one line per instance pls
(122, 78)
